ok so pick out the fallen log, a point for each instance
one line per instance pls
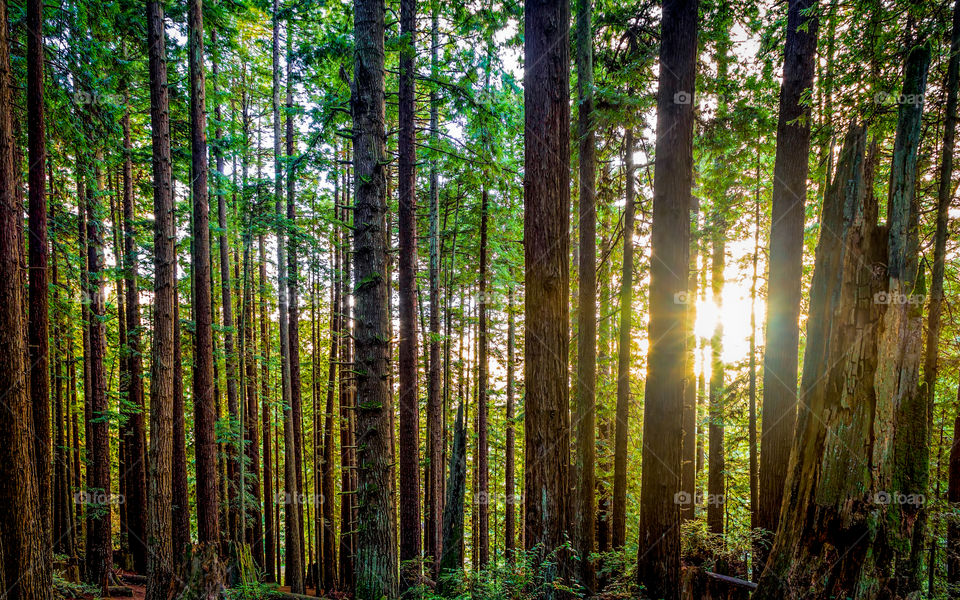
(698, 584)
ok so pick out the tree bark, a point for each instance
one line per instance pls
(546, 258)
(20, 527)
(659, 546)
(483, 401)
(451, 560)
(38, 323)
(717, 469)
(619, 531)
(936, 297)
(376, 559)
(161, 557)
(293, 569)
(586, 410)
(205, 401)
(510, 484)
(409, 459)
(269, 526)
(779, 409)
(433, 545)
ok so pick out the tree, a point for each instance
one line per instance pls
(658, 566)
(546, 264)
(38, 322)
(619, 532)
(433, 545)
(205, 402)
(778, 412)
(587, 313)
(409, 459)
(293, 567)
(376, 560)
(20, 526)
(159, 522)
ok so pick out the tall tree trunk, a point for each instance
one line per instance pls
(409, 459)
(99, 556)
(329, 526)
(688, 460)
(944, 197)
(376, 559)
(755, 567)
(161, 556)
(483, 409)
(234, 497)
(293, 569)
(778, 413)
(348, 472)
(135, 443)
(293, 311)
(659, 546)
(936, 299)
(547, 244)
(269, 501)
(619, 532)
(21, 528)
(716, 474)
(605, 416)
(433, 515)
(38, 322)
(586, 410)
(451, 560)
(205, 402)
(510, 484)
(953, 497)
(182, 546)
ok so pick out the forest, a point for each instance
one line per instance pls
(388, 299)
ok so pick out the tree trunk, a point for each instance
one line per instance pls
(451, 560)
(433, 516)
(936, 298)
(182, 545)
(586, 410)
(38, 323)
(162, 554)
(659, 547)
(376, 559)
(269, 527)
(348, 472)
(510, 484)
(99, 555)
(546, 257)
(21, 531)
(329, 526)
(483, 409)
(944, 197)
(688, 460)
(409, 459)
(205, 401)
(135, 442)
(778, 412)
(293, 311)
(619, 532)
(717, 469)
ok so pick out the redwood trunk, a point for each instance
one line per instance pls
(547, 500)
(659, 546)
